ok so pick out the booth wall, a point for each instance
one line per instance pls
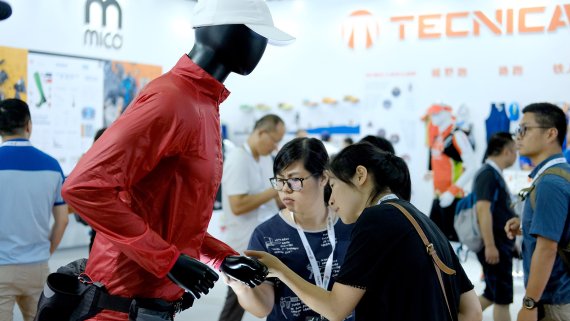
(440, 58)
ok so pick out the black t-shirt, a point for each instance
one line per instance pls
(388, 259)
(488, 182)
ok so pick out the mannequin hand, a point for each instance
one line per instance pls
(192, 275)
(245, 269)
(446, 199)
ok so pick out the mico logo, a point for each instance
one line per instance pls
(360, 29)
(103, 37)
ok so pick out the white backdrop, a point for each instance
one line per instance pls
(510, 65)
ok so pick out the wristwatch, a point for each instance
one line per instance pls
(529, 303)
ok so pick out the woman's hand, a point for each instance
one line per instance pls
(274, 265)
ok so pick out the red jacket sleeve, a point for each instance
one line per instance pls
(214, 251)
(99, 187)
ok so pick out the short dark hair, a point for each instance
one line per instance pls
(310, 151)
(14, 115)
(349, 141)
(379, 142)
(268, 122)
(497, 144)
(388, 170)
(549, 115)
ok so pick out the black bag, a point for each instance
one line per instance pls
(71, 295)
(68, 296)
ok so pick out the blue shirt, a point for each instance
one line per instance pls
(280, 238)
(30, 186)
(549, 220)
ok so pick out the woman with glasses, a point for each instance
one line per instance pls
(399, 266)
(306, 236)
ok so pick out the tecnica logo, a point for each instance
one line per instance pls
(103, 35)
(360, 30)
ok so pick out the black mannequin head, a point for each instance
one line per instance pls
(222, 49)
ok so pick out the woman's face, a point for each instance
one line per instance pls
(346, 200)
(312, 190)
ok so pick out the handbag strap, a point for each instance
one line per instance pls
(437, 263)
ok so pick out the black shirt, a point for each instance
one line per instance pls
(388, 259)
(488, 182)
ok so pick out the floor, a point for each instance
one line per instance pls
(208, 308)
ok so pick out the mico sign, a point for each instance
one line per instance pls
(103, 36)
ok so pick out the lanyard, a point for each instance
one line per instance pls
(321, 281)
(18, 143)
(556, 161)
(387, 198)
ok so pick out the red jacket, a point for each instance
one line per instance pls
(148, 185)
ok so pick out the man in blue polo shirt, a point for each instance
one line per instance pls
(545, 224)
(30, 193)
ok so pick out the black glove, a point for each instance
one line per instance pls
(192, 275)
(247, 270)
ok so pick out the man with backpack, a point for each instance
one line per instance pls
(493, 210)
(545, 224)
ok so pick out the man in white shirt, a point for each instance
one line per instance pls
(247, 196)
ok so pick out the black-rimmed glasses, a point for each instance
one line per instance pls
(522, 129)
(294, 183)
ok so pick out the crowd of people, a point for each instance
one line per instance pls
(313, 233)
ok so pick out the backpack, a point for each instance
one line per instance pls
(563, 251)
(465, 221)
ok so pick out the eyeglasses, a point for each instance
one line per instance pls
(522, 129)
(295, 183)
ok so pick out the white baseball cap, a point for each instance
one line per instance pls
(254, 14)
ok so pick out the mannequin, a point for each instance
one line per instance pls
(453, 163)
(222, 49)
(148, 185)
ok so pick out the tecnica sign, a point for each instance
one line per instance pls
(364, 26)
(105, 34)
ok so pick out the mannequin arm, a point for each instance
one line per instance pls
(214, 251)
(99, 187)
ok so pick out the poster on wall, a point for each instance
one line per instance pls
(123, 81)
(13, 73)
(65, 95)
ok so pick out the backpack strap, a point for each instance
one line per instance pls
(563, 251)
(437, 263)
(552, 171)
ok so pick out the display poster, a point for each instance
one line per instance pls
(65, 95)
(13, 73)
(123, 81)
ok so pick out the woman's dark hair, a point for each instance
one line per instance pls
(388, 170)
(14, 115)
(379, 142)
(497, 144)
(310, 151)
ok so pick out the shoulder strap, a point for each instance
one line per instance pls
(552, 171)
(437, 263)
